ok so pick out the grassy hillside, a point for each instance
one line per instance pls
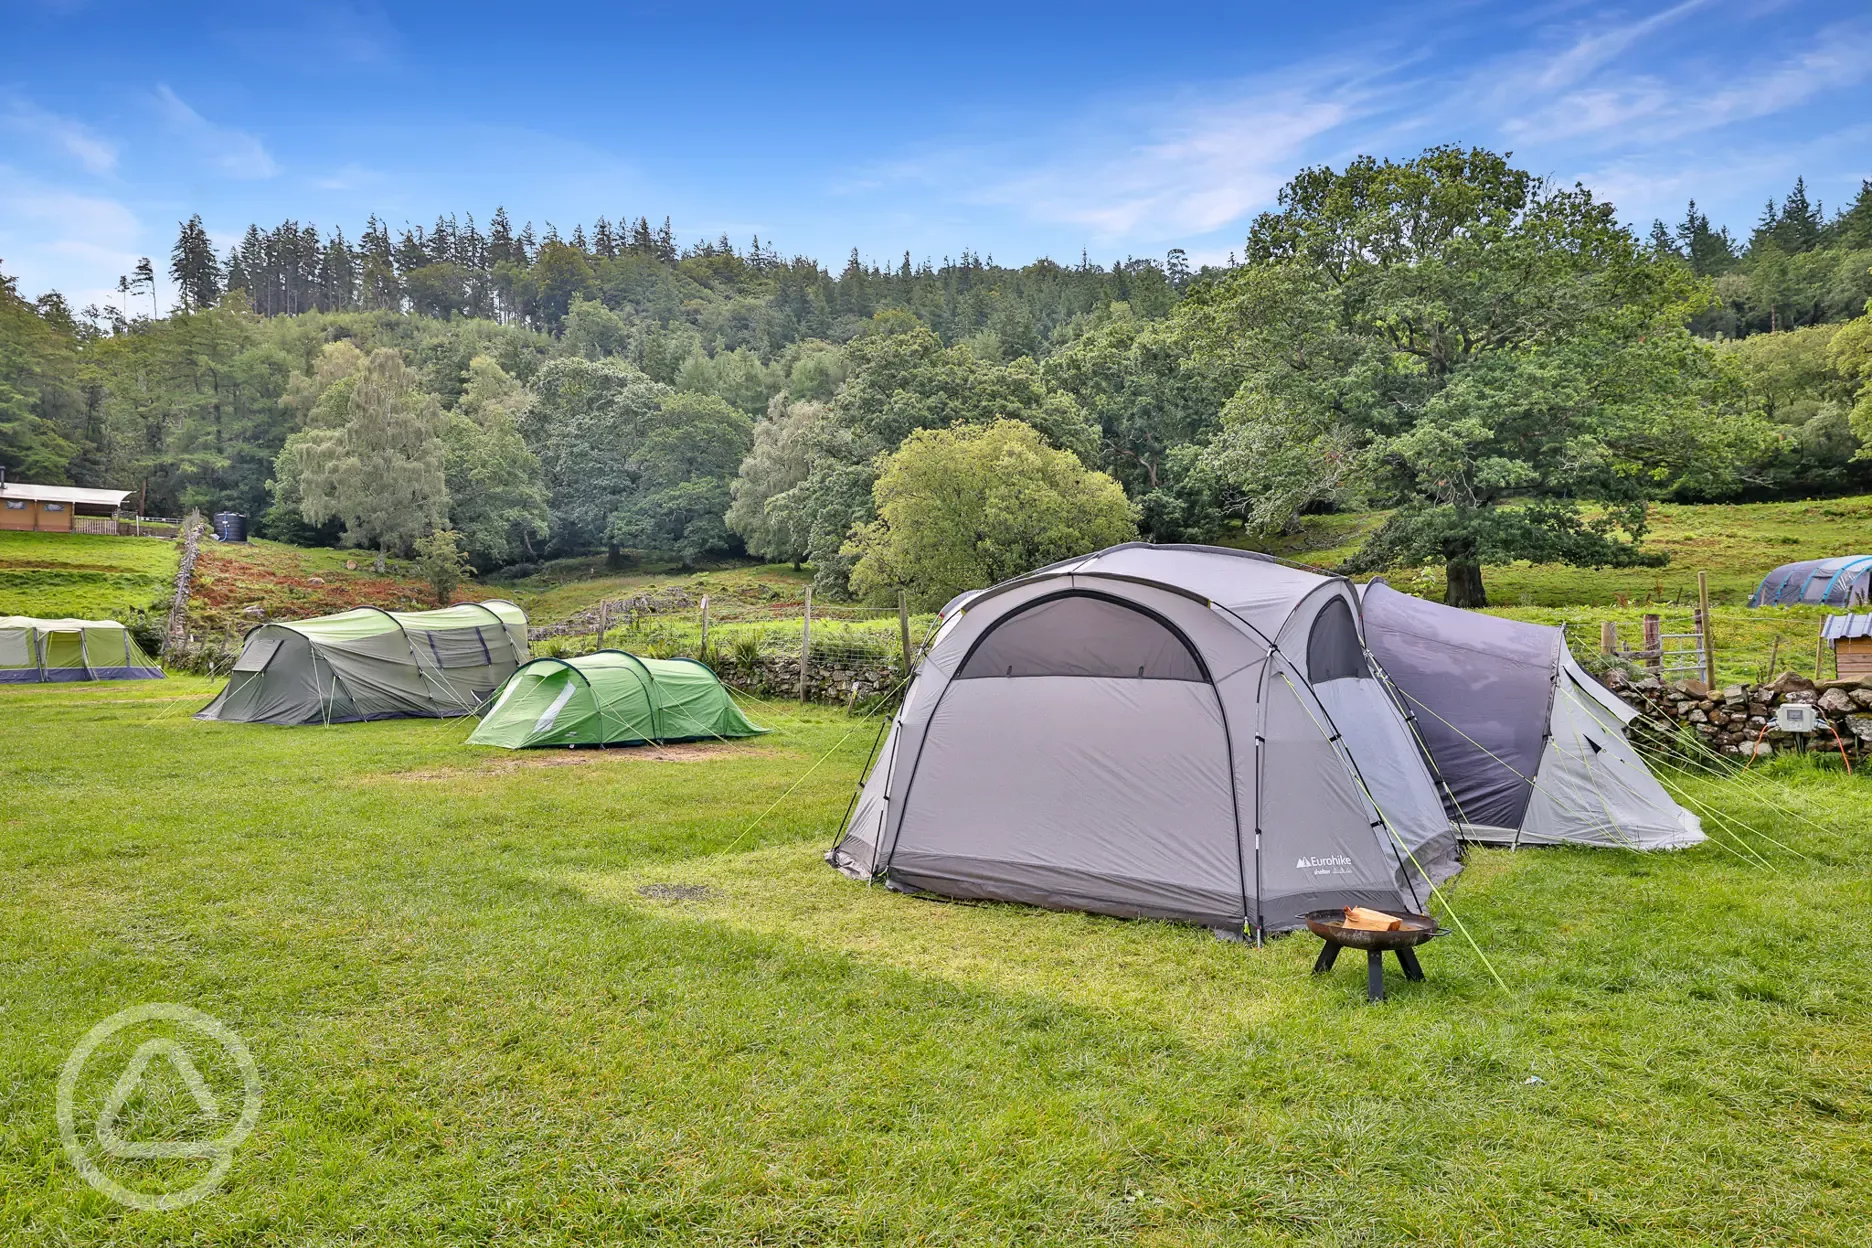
(293, 582)
(83, 575)
(567, 587)
(578, 997)
(1735, 544)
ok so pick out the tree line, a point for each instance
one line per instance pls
(1492, 359)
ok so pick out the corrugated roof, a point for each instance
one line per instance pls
(1837, 627)
(63, 494)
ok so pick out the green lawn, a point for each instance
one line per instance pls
(84, 575)
(567, 586)
(1736, 544)
(475, 1025)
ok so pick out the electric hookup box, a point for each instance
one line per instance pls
(1796, 717)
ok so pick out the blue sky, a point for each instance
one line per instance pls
(1017, 131)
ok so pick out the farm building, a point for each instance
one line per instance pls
(59, 508)
(1851, 637)
(1842, 581)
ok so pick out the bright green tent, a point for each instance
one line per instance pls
(610, 698)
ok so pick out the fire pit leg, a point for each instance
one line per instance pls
(1328, 954)
(1374, 974)
(1407, 957)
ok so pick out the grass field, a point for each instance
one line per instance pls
(83, 575)
(595, 997)
(1736, 545)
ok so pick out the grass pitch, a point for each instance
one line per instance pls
(580, 997)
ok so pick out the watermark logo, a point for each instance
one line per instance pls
(191, 1041)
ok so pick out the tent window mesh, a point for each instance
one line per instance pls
(1333, 649)
(256, 653)
(1082, 635)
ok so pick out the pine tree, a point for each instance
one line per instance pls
(252, 255)
(308, 259)
(377, 268)
(1709, 251)
(411, 252)
(666, 243)
(641, 240)
(603, 242)
(1765, 227)
(193, 265)
(1853, 228)
(578, 239)
(337, 276)
(1800, 225)
(236, 271)
(441, 241)
(1176, 265)
(146, 283)
(1662, 242)
(500, 239)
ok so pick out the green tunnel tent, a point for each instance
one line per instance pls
(611, 698)
(373, 664)
(35, 650)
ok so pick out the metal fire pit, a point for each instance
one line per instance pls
(1329, 926)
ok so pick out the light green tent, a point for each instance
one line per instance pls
(373, 664)
(34, 650)
(610, 698)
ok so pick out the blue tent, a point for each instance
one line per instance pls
(1842, 581)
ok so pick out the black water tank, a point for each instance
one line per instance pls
(230, 526)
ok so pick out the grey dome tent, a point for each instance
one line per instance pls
(374, 664)
(1530, 749)
(1842, 581)
(1175, 732)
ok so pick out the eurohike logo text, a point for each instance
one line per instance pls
(1332, 865)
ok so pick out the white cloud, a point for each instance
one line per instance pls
(1150, 171)
(1621, 106)
(1593, 50)
(91, 150)
(234, 152)
(1194, 173)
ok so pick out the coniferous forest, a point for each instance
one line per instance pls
(1495, 359)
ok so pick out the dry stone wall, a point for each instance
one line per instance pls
(1740, 719)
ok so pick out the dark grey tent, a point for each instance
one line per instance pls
(1178, 732)
(1842, 581)
(374, 664)
(1530, 748)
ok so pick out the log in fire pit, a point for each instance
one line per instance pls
(1413, 930)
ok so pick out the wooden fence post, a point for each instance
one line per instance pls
(604, 618)
(1653, 644)
(805, 644)
(702, 646)
(1709, 634)
(903, 626)
(1608, 637)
